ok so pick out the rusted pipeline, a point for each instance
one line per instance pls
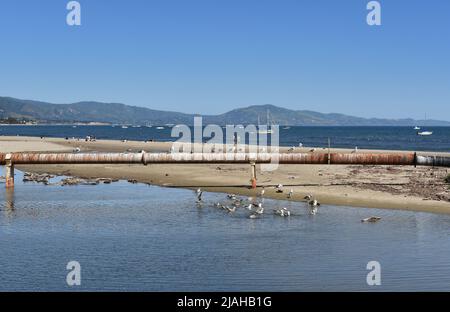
(72, 158)
(282, 158)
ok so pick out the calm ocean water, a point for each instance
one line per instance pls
(392, 138)
(140, 237)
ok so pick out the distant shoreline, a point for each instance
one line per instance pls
(222, 125)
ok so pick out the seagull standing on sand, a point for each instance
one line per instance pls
(262, 192)
(279, 188)
(291, 192)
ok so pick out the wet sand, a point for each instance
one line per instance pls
(394, 187)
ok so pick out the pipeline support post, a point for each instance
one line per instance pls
(253, 168)
(9, 176)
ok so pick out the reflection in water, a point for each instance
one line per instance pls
(9, 201)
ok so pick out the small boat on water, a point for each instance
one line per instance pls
(124, 127)
(425, 133)
(160, 128)
(416, 128)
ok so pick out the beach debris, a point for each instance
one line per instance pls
(312, 150)
(199, 193)
(291, 149)
(132, 181)
(105, 180)
(78, 181)
(231, 196)
(371, 219)
(36, 177)
(283, 212)
(308, 197)
(77, 150)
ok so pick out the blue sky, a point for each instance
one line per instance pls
(210, 56)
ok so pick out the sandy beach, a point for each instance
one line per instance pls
(392, 187)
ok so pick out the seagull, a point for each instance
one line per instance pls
(199, 195)
(290, 193)
(260, 209)
(279, 188)
(250, 206)
(308, 197)
(312, 150)
(77, 150)
(283, 212)
(355, 150)
(253, 216)
(371, 219)
(313, 204)
(262, 192)
(291, 149)
(231, 210)
(300, 144)
(231, 196)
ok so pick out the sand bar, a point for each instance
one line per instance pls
(394, 187)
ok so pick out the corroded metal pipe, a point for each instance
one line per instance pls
(407, 159)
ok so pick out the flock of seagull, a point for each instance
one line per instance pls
(255, 207)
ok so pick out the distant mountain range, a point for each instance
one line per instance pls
(116, 113)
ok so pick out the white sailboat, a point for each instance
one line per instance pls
(424, 133)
